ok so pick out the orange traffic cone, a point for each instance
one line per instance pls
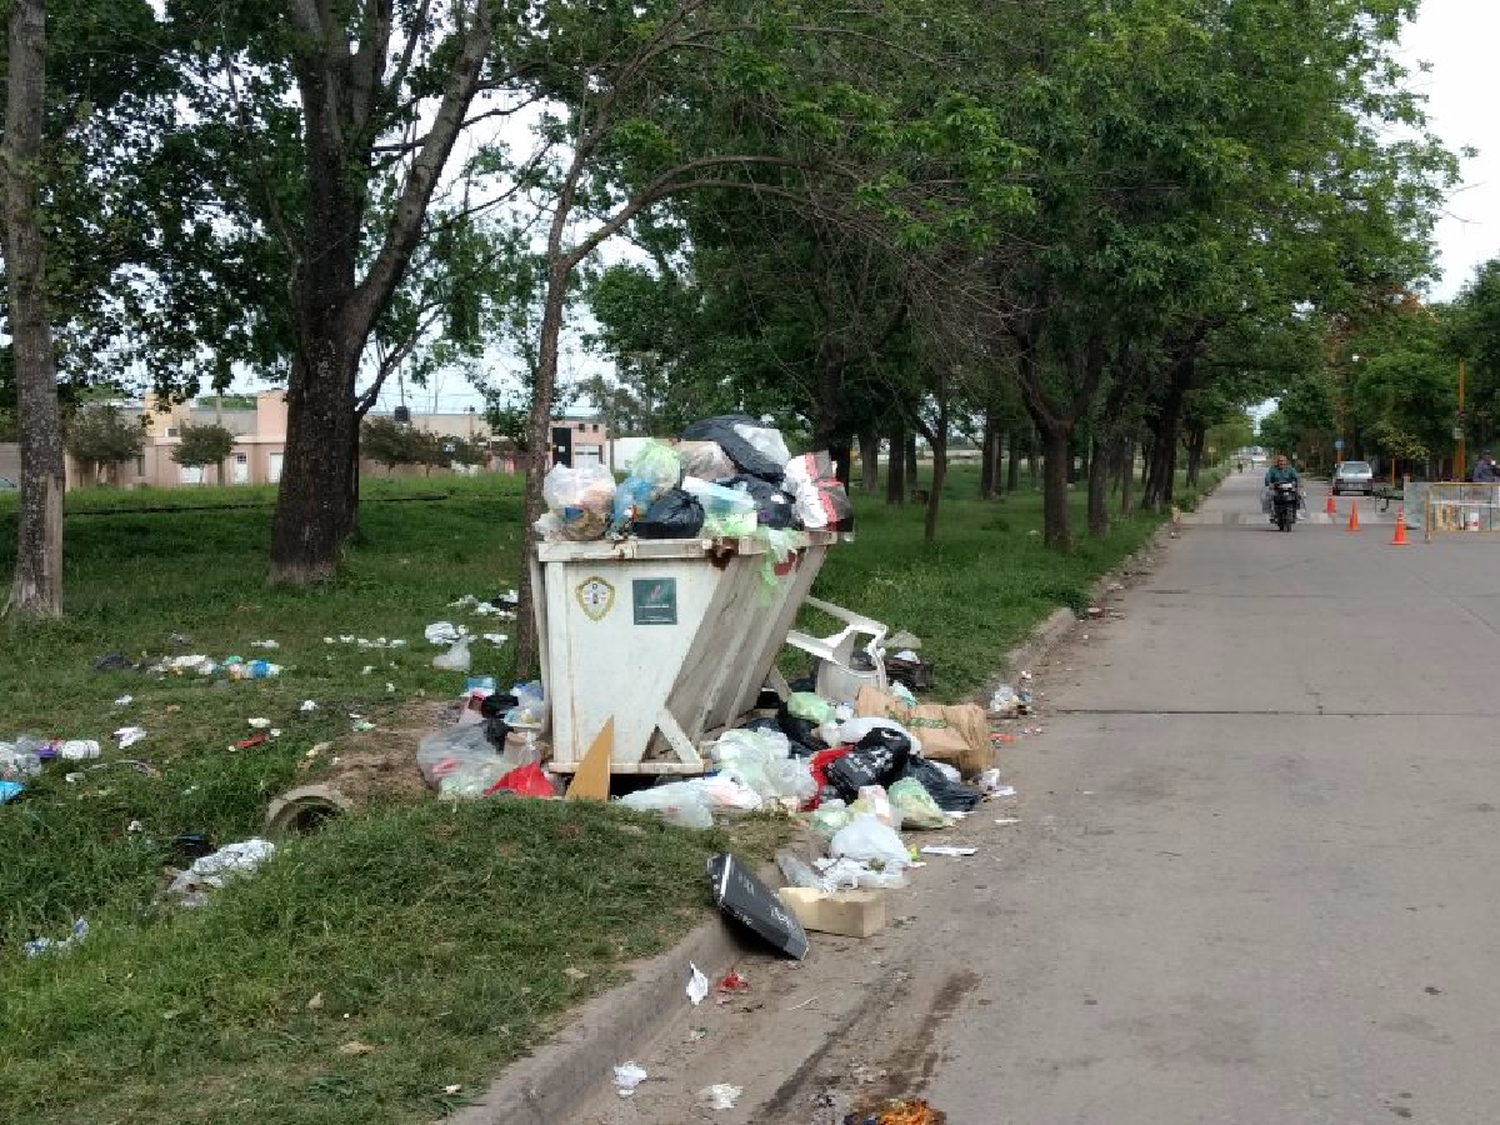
(1332, 508)
(1400, 539)
(1353, 515)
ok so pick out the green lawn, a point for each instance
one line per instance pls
(440, 936)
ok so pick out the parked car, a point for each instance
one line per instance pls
(7, 485)
(1353, 476)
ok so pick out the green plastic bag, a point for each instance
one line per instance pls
(916, 806)
(809, 706)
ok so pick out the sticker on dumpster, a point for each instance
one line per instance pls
(654, 600)
(596, 597)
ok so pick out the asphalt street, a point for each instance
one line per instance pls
(1253, 878)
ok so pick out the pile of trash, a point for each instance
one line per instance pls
(728, 477)
(492, 749)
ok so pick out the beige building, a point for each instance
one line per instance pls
(260, 445)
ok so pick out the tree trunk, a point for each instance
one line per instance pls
(1099, 467)
(937, 437)
(869, 459)
(1196, 439)
(1055, 490)
(1126, 469)
(36, 587)
(342, 81)
(841, 453)
(895, 465)
(539, 448)
(913, 473)
(988, 458)
(1013, 463)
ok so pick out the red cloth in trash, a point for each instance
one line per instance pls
(820, 762)
(525, 781)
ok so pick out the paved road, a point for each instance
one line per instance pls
(1254, 879)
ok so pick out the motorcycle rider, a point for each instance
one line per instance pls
(1279, 473)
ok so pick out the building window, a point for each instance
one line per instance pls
(242, 459)
(172, 432)
(140, 466)
(596, 427)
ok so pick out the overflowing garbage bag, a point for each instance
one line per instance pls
(461, 762)
(774, 507)
(761, 761)
(676, 514)
(693, 803)
(705, 460)
(656, 470)
(866, 839)
(728, 513)
(821, 501)
(746, 442)
(579, 502)
(916, 806)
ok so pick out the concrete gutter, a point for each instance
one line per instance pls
(554, 1084)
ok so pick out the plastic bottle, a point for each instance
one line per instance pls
(797, 873)
(78, 750)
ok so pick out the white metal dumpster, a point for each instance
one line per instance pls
(672, 638)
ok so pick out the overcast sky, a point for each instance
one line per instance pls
(1459, 39)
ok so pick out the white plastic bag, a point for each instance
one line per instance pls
(867, 839)
(456, 659)
(766, 440)
(850, 731)
(677, 803)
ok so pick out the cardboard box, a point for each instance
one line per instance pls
(847, 913)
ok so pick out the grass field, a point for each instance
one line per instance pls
(448, 939)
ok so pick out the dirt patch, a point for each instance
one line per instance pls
(380, 766)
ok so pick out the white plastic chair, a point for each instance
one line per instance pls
(836, 678)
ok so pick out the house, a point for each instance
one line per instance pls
(260, 444)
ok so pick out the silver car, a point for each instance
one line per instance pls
(1353, 476)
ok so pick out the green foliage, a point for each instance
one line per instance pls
(100, 436)
(207, 444)
(390, 443)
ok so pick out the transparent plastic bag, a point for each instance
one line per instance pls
(679, 802)
(456, 659)
(658, 464)
(866, 839)
(766, 440)
(580, 501)
(706, 460)
(727, 512)
(461, 762)
(830, 817)
(798, 873)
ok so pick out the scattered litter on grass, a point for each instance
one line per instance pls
(260, 738)
(354, 1048)
(947, 850)
(125, 701)
(367, 669)
(573, 973)
(135, 827)
(316, 1003)
(210, 872)
(78, 934)
(444, 633)
(453, 1089)
(309, 705)
(259, 723)
(697, 985)
(267, 644)
(86, 749)
(359, 726)
(10, 790)
(113, 662)
(496, 639)
(456, 659)
(364, 642)
(628, 1076)
(181, 640)
(721, 1095)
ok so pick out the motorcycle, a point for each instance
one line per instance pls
(1284, 501)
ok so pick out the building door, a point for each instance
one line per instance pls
(191, 474)
(241, 471)
(273, 467)
(562, 445)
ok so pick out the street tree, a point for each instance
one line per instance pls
(202, 445)
(101, 437)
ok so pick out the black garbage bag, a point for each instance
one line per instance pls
(880, 759)
(737, 449)
(674, 515)
(802, 732)
(951, 796)
(774, 508)
(492, 709)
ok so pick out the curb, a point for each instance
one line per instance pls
(566, 1073)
